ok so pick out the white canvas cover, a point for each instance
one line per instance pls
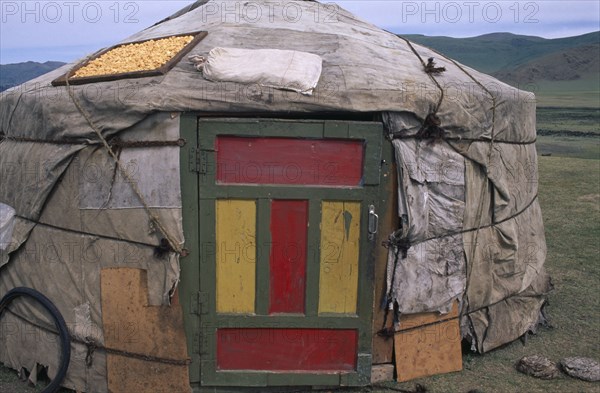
(75, 215)
(280, 69)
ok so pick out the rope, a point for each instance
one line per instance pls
(154, 219)
(120, 144)
(484, 184)
(87, 233)
(91, 348)
(401, 242)
(92, 345)
(402, 246)
(45, 141)
(396, 135)
(113, 143)
(390, 333)
(439, 103)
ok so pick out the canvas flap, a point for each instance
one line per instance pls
(281, 69)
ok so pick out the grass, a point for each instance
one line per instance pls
(582, 147)
(569, 194)
(554, 120)
(583, 92)
(569, 132)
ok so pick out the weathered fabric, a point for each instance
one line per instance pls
(487, 231)
(71, 225)
(432, 198)
(75, 214)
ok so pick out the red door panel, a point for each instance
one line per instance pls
(289, 225)
(266, 349)
(289, 161)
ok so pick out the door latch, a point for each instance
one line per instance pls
(373, 223)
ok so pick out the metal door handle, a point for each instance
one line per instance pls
(373, 222)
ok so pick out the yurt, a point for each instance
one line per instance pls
(248, 196)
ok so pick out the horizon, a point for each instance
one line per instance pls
(477, 36)
(27, 28)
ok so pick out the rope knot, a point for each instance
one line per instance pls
(430, 67)
(91, 345)
(163, 248)
(431, 128)
(401, 243)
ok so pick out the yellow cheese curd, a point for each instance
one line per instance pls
(144, 56)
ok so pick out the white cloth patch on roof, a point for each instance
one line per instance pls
(7, 223)
(281, 69)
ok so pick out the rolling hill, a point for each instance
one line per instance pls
(562, 71)
(564, 65)
(494, 52)
(14, 74)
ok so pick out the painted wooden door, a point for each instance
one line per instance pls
(283, 250)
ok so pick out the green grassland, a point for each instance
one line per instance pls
(566, 146)
(582, 92)
(564, 121)
(569, 132)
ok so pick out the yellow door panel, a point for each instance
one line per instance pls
(340, 238)
(236, 255)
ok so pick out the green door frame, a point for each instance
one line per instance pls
(198, 194)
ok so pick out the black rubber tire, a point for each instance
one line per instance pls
(63, 332)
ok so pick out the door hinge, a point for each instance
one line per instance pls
(196, 343)
(199, 303)
(198, 160)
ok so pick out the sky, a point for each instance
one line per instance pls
(69, 30)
